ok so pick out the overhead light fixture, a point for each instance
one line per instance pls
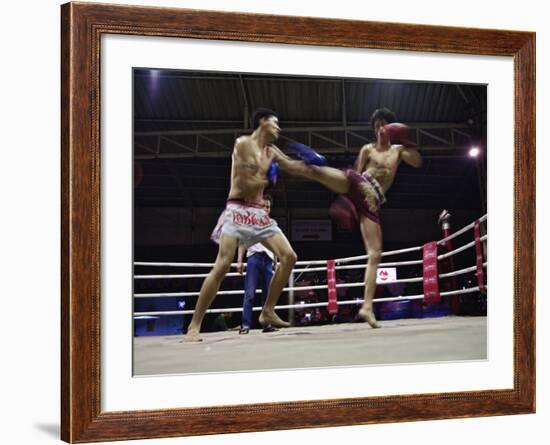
(474, 152)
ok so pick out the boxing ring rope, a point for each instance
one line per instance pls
(298, 263)
(310, 305)
(311, 269)
(463, 230)
(303, 288)
(338, 266)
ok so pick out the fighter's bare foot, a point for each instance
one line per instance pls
(271, 318)
(192, 337)
(369, 317)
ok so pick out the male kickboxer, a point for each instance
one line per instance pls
(364, 187)
(246, 221)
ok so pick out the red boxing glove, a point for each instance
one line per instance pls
(399, 134)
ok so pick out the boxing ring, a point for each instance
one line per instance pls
(410, 340)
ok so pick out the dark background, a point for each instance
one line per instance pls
(185, 124)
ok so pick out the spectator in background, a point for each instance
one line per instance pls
(259, 271)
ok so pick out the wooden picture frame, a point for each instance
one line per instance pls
(82, 26)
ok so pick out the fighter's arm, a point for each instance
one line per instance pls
(363, 158)
(411, 156)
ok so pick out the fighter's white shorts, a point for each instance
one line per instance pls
(246, 221)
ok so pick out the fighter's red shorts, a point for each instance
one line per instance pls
(366, 194)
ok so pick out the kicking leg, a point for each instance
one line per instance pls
(330, 177)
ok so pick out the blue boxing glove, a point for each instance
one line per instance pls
(308, 154)
(272, 172)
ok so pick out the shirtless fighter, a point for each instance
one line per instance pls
(246, 221)
(364, 187)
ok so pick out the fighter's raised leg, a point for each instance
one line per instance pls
(332, 178)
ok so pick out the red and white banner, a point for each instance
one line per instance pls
(430, 273)
(479, 260)
(331, 282)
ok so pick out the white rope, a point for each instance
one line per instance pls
(298, 263)
(281, 307)
(461, 231)
(196, 275)
(362, 266)
(286, 289)
(151, 264)
(305, 288)
(460, 272)
(454, 292)
(402, 263)
(312, 263)
(238, 292)
(312, 269)
(309, 305)
(388, 253)
(460, 249)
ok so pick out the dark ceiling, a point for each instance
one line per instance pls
(185, 124)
